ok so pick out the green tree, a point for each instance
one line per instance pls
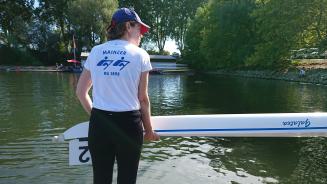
(137, 5)
(193, 39)
(45, 43)
(260, 33)
(168, 19)
(55, 14)
(14, 16)
(286, 25)
(158, 15)
(318, 16)
(183, 12)
(89, 20)
(225, 35)
(230, 33)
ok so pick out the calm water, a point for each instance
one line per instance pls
(36, 106)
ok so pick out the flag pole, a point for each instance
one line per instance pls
(74, 46)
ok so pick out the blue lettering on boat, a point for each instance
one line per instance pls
(297, 123)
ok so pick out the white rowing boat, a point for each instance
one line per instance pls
(222, 125)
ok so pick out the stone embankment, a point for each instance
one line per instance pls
(315, 76)
(29, 68)
(315, 72)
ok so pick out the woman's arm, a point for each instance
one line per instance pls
(82, 91)
(143, 96)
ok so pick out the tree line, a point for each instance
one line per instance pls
(210, 34)
(40, 32)
(254, 33)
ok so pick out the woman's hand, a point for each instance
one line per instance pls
(151, 136)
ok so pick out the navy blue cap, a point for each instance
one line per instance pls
(125, 15)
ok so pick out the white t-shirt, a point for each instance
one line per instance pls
(116, 68)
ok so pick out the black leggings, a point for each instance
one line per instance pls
(115, 135)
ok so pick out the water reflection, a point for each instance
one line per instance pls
(36, 106)
(312, 162)
(209, 159)
(237, 95)
(166, 94)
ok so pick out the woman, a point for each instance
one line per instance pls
(118, 70)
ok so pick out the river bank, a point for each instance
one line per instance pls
(314, 76)
(29, 68)
(158, 68)
(314, 71)
(41, 69)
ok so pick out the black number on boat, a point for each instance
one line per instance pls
(85, 150)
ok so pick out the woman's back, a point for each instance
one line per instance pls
(115, 68)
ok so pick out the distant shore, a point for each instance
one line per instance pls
(77, 69)
(29, 68)
(315, 73)
(314, 76)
